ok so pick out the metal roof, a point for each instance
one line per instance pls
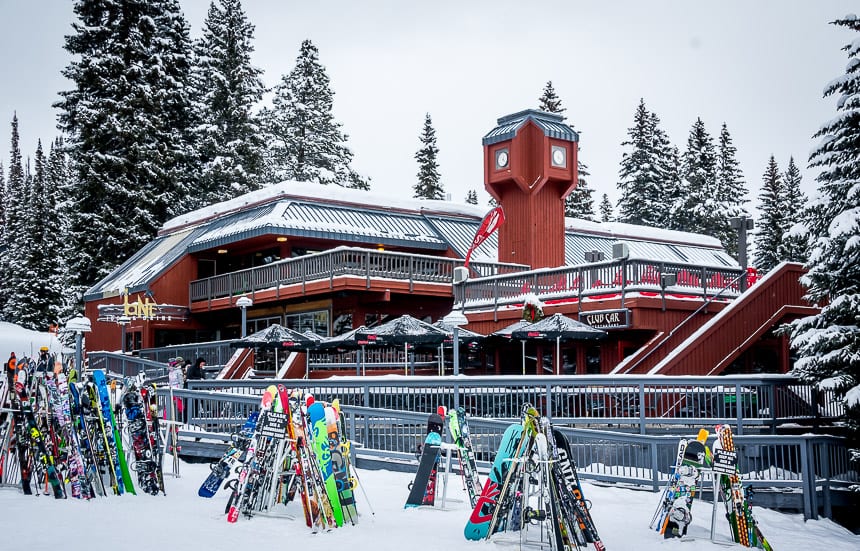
(318, 220)
(551, 125)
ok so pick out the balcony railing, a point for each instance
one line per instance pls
(599, 280)
(342, 261)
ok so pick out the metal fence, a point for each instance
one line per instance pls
(810, 468)
(336, 262)
(610, 278)
(635, 403)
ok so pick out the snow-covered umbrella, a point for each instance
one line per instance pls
(275, 337)
(404, 330)
(558, 328)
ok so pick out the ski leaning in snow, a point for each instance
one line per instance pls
(459, 429)
(223, 467)
(745, 530)
(110, 425)
(58, 395)
(250, 456)
(340, 462)
(423, 488)
(317, 424)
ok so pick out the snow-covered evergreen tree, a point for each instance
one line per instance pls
(794, 246)
(697, 210)
(770, 225)
(472, 197)
(828, 344)
(305, 142)
(428, 185)
(15, 234)
(605, 209)
(549, 100)
(730, 193)
(228, 88)
(4, 199)
(641, 179)
(127, 118)
(41, 292)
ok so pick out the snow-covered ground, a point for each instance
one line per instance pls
(14, 338)
(182, 520)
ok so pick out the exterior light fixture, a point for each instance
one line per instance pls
(281, 239)
(222, 251)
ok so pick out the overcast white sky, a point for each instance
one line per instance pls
(758, 66)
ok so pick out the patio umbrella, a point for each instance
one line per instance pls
(348, 341)
(404, 330)
(275, 337)
(464, 336)
(558, 328)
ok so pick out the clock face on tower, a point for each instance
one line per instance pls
(558, 156)
(501, 159)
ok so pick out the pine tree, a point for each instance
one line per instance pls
(15, 235)
(730, 193)
(579, 203)
(770, 225)
(794, 246)
(472, 197)
(696, 210)
(4, 199)
(127, 118)
(305, 142)
(549, 100)
(640, 178)
(428, 185)
(828, 344)
(230, 143)
(605, 209)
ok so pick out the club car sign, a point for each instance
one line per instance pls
(141, 308)
(607, 319)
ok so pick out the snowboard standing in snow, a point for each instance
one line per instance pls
(317, 424)
(677, 504)
(422, 491)
(142, 441)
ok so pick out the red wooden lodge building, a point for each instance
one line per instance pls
(327, 260)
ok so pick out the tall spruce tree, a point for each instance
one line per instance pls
(305, 142)
(15, 235)
(696, 210)
(605, 209)
(472, 197)
(641, 179)
(579, 203)
(770, 226)
(828, 344)
(228, 87)
(41, 292)
(428, 185)
(549, 100)
(730, 193)
(4, 199)
(794, 246)
(127, 118)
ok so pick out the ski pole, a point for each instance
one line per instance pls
(360, 485)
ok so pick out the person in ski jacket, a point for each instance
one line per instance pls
(195, 371)
(45, 363)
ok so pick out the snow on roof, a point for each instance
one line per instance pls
(316, 192)
(620, 230)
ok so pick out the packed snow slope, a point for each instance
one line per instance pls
(181, 520)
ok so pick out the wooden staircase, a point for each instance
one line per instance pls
(775, 299)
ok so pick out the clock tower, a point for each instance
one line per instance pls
(530, 166)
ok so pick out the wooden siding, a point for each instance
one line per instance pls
(767, 304)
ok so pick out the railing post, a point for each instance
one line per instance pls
(808, 475)
(826, 451)
(772, 405)
(655, 470)
(739, 410)
(456, 395)
(641, 408)
(548, 401)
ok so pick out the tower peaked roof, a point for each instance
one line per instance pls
(551, 124)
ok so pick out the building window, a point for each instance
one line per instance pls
(315, 321)
(592, 360)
